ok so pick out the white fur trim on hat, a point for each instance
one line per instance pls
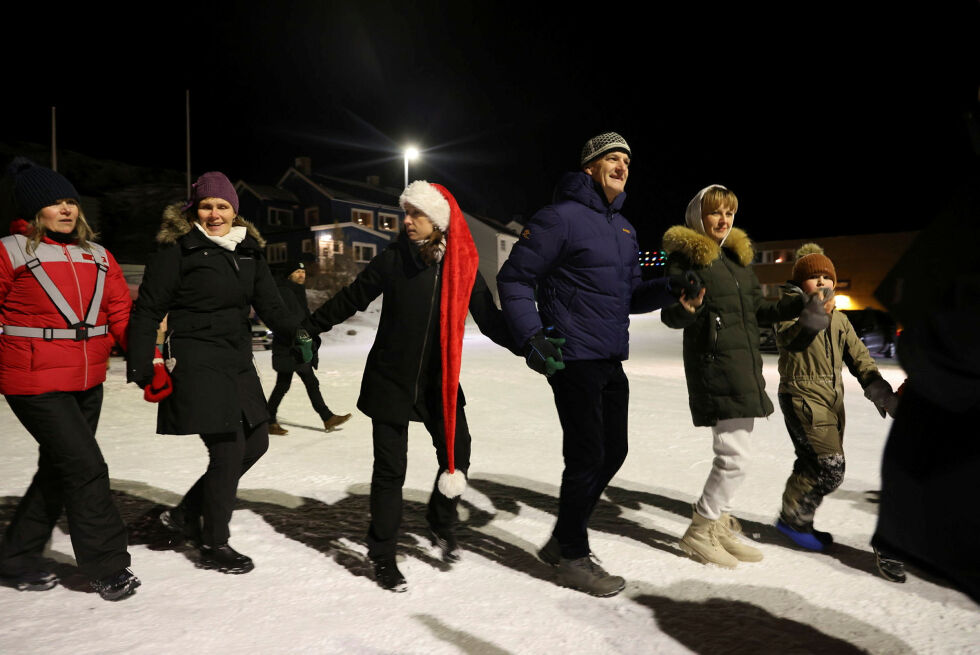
(427, 199)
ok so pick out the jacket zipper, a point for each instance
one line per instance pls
(425, 338)
(81, 305)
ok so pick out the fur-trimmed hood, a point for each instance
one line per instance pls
(702, 249)
(175, 225)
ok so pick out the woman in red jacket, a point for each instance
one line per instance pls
(63, 303)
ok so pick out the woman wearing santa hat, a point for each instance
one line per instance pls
(429, 279)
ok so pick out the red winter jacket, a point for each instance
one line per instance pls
(32, 365)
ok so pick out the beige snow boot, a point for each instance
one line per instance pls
(728, 530)
(701, 543)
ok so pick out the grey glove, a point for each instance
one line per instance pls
(814, 316)
(880, 393)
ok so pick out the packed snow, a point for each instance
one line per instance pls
(303, 514)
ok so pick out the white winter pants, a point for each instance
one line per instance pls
(731, 446)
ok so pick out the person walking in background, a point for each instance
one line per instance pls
(567, 290)
(292, 290)
(429, 279)
(207, 275)
(813, 349)
(63, 304)
(722, 364)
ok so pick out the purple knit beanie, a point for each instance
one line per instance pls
(213, 185)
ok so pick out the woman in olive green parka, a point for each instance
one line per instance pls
(722, 363)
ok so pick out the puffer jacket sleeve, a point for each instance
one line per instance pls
(674, 315)
(161, 279)
(790, 335)
(532, 258)
(488, 316)
(770, 312)
(856, 356)
(357, 295)
(117, 303)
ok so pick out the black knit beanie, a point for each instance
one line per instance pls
(36, 187)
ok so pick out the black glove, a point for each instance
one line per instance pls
(302, 346)
(814, 316)
(687, 283)
(543, 353)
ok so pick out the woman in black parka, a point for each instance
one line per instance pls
(429, 280)
(209, 272)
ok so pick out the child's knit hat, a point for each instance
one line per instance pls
(810, 260)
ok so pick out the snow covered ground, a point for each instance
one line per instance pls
(303, 514)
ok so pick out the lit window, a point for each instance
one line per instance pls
(362, 217)
(388, 222)
(364, 252)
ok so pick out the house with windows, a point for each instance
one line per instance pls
(317, 217)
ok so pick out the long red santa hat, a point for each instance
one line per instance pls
(459, 266)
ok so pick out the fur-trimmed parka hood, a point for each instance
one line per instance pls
(175, 225)
(702, 249)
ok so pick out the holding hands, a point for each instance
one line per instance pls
(543, 353)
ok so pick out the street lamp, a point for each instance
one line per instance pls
(411, 153)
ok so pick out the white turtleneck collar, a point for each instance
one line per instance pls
(229, 241)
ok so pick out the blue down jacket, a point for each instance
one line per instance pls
(581, 257)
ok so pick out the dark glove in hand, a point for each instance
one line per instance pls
(687, 283)
(814, 316)
(543, 354)
(302, 346)
(880, 393)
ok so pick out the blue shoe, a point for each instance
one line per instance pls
(803, 538)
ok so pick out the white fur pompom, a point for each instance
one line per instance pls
(452, 484)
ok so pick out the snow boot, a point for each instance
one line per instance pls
(701, 543)
(387, 575)
(808, 538)
(728, 530)
(275, 428)
(888, 567)
(585, 574)
(445, 541)
(225, 559)
(550, 553)
(335, 422)
(119, 585)
(30, 580)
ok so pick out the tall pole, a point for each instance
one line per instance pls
(187, 131)
(406, 170)
(54, 141)
(411, 152)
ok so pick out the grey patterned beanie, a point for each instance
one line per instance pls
(600, 145)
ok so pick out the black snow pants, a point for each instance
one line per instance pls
(213, 496)
(71, 476)
(592, 398)
(283, 381)
(388, 478)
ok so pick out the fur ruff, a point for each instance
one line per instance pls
(702, 249)
(175, 225)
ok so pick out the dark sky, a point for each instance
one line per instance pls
(825, 119)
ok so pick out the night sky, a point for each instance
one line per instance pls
(825, 119)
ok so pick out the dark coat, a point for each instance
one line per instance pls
(206, 293)
(576, 267)
(721, 339)
(298, 310)
(402, 374)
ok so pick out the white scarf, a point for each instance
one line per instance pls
(229, 241)
(440, 250)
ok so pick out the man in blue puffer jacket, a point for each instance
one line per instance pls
(579, 258)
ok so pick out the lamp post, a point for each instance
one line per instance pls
(411, 153)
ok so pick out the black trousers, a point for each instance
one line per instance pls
(388, 478)
(71, 476)
(592, 398)
(306, 374)
(213, 496)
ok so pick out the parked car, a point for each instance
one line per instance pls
(877, 329)
(261, 334)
